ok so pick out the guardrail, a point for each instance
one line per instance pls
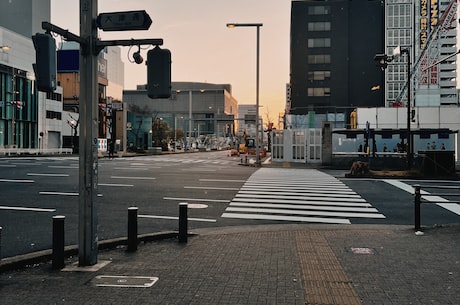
(34, 151)
(418, 199)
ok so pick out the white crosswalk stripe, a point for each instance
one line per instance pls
(300, 195)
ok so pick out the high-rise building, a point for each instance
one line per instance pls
(24, 16)
(427, 29)
(333, 44)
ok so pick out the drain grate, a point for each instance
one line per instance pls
(124, 281)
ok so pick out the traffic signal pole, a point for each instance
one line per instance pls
(88, 160)
(90, 46)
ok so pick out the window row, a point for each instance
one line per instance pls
(399, 16)
(319, 42)
(319, 10)
(319, 75)
(319, 26)
(319, 91)
(54, 96)
(53, 115)
(319, 59)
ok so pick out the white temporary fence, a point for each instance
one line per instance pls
(297, 145)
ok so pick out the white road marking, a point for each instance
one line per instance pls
(134, 178)
(298, 195)
(48, 175)
(195, 199)
(17, 180)
(177, 218)
(62, 166)
(222, 180)
(442, 202)
(211, 188)
(63, 194)
(115, 184)
(286, 218)
(26, 209)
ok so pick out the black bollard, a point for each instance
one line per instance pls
(0, 243)
(183, 226)
(58, 242)
(132, 229)
(417, 203)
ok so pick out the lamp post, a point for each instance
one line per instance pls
(382, 61)
(409, 136)
(257, 25)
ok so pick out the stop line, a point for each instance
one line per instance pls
(300, 195)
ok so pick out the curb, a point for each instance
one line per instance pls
(34, 258)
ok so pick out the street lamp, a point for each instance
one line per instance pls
(5, 48)
(382, 61)
(257, 25)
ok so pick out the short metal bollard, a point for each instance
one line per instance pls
(183, 222)
(417, 203)
(58, 242)
(132, 229)
(1, 243)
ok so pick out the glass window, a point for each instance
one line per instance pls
(319, 10)
(319, 75)
(319, 59)
(319, 91)
(319, 42)
(319, 26)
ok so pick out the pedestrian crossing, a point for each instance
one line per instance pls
(300, 195)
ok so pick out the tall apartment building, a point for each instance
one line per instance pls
(410, 24)
(333, 44)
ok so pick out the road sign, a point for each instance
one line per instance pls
(124, 21)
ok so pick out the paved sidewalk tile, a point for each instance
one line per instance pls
(277, 264)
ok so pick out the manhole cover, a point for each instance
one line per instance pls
(197, 206)
(124, 281)
(362, 250)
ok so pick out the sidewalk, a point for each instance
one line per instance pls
(267, 264)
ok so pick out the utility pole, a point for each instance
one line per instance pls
(88, 162)
(90, 46)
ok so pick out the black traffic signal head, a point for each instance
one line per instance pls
(45, 62)
(159, 73)
(382, 60)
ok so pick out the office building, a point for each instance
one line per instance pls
(333, 44)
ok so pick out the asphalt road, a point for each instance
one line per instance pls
(220, 192)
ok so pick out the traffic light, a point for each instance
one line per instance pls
(382, 60)
(159, 73)
(45, 62)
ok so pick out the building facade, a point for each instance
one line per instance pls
(25, 17)
(410, 25)
(18, 97)
(333, 44)
(194, 110)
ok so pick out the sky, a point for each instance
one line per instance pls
(203, 49)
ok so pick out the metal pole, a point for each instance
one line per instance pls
(132, 228)
(183, 225)
(87, 225)
(409, 138)
(189, 119)
(257, 95)
(417, 203)
(58, 242)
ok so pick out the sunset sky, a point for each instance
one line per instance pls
(203, 48)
